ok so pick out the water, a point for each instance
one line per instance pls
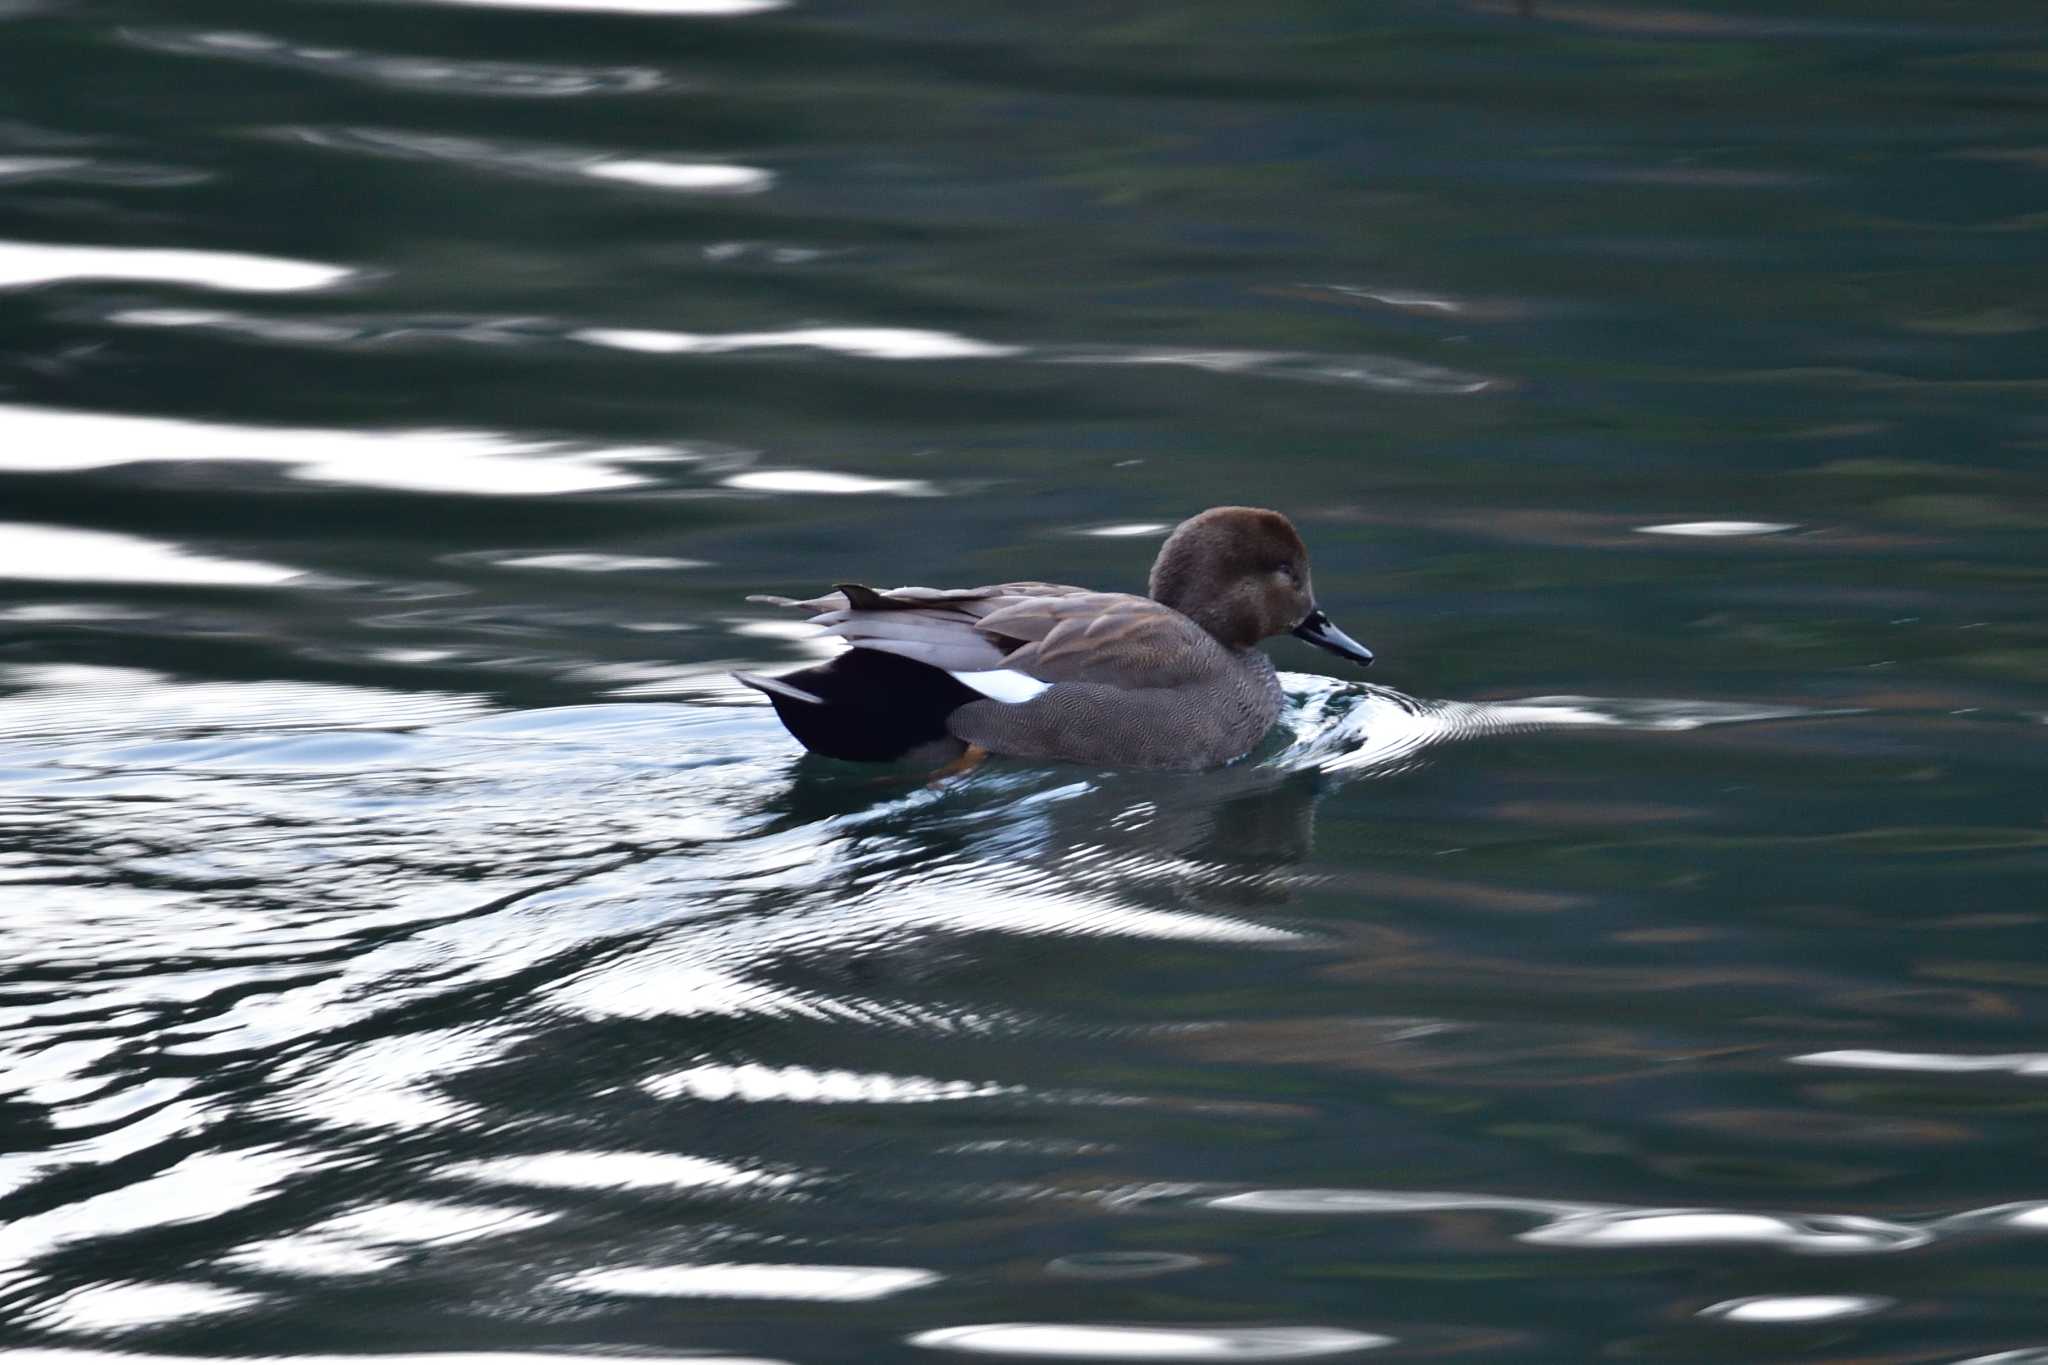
(415, 945)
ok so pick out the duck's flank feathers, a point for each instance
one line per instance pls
(865, 706)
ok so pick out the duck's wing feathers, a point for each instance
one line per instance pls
(1111, 639)
(847, 596)
(936, 626)
(1048, 631)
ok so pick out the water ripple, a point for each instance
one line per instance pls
(201, 1187)
(703, 177)
(377, 1236)
(824, 1283)
(584, 561)
(692, 9)
(823, 481)
(1874, 1059)
(1105, 1341)
(1782, 1308)
(648, 864)
(586, 1170)
(49, 1356)
(1363, 728)
(27, 263)
(1717, 530)
(869, 343)
(450, 75)
(1593, 1225)
(80, 170)
(1390, 373)
(111, 1307)
(51, 440)
(856, 341)
(755, 1084)
(76, 699)
(1816, 1234)
(69, 554)
(1122, 1265)
(505, 157)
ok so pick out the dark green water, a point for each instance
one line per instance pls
(414, 944)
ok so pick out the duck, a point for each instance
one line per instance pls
(1172, 679)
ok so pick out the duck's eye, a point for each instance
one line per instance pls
(1288, 572)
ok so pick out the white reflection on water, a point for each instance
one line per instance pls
(823, 481)
(122, 1305)
(547, 160)
(579, 562)
(299, 331)
(491, 78)
(1824, 1233)
(1127, 528)
(2029, 1215)
(313, 1257)
(70, 555)
(1090, 1341)
(1391, 373)
(617, 1171)
(53, 440)
(27, 263)
(388, 1083)
(756, 1084)
(1877, 1059)
(1313, 1201)
(906, 343)
(81, 698)
(170, 1122)
(350, 330)
(24, 167)
(1598, 1225)
(489, 946)
(35, 1356)
(686, 974)
(80, 170)
(727, 1280)
(370, 1239)
(869, 343)
(708, 177)
(203, 1186)
(677, 989)
(1394, 298)
(1716, 529)
(74, 611)
(699, 9)
(1775, 1308)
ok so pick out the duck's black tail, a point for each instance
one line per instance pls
(864, 705)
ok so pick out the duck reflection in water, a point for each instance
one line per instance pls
(1235, 838)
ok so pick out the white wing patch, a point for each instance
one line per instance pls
(777, 687)
(1003, 684)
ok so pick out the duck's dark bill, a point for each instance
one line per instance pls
(1318, 631)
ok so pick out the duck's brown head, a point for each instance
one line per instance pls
(1241, 573)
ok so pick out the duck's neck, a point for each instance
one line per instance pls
(1233, 624)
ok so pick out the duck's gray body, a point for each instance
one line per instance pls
(1051, 671)
(1216, 714)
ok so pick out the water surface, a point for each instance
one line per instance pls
(415, 945)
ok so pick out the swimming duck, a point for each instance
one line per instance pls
(1173, 679)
